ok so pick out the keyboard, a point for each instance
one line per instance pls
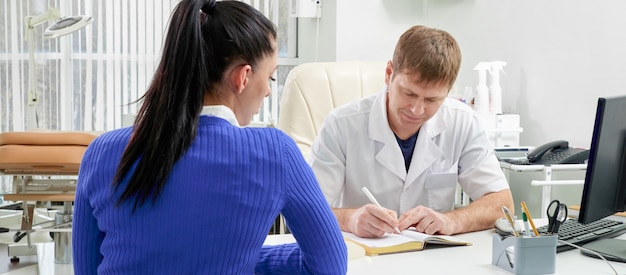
(517, 161)
(577, 233)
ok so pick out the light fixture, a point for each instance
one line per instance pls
(62, 26)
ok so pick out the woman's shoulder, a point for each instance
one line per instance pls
(114, 137)
(275, 136)
(270, 133)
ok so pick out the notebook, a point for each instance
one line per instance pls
(407, 240)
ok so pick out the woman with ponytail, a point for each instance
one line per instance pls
(187, 189)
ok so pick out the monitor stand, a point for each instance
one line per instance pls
(611, 249)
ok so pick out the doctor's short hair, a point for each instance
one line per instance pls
(432, 53)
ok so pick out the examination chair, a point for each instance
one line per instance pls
(44, 166)
(312, 90)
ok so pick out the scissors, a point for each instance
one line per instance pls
(557, 214)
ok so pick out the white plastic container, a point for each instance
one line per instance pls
(495, 90)
(481, 99)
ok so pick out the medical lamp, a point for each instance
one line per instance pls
(61, 27)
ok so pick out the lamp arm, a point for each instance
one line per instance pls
(31, 23)
(32, 93)
(50, 14)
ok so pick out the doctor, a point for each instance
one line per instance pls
(410, 145)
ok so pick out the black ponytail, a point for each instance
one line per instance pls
(209, 6)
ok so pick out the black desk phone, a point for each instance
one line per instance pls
(558, 152)
(555, 152)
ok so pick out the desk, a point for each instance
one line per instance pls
(475, 259)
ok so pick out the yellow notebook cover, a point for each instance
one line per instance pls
(408, 240)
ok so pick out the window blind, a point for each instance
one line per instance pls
(87, 80)
(90, 79)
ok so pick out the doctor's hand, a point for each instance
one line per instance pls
(371, 221)
(428, 221)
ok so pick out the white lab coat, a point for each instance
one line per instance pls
(356, 148)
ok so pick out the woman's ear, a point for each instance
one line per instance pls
(239, 77)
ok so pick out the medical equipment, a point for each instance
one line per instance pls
(62, 26)
(44, 166)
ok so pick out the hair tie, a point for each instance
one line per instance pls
(209, 6)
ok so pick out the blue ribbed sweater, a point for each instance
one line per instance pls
(214, 213)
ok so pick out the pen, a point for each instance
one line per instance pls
(530, 219)
(526, 227)
(374, 201)
(508, 216)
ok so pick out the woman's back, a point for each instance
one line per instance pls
(216, 209)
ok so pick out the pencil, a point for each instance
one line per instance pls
(530, 219)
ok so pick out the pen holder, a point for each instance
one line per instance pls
(525, 255)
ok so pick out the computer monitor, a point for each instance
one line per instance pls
(604, 191)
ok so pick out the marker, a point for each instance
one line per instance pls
(508, 216)
(526, 227)
(530, 219)
(374, 201)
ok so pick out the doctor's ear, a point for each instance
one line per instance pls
(388, 72)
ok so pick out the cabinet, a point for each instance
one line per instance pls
(503, 129)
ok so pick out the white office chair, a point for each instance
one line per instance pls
(312, 90)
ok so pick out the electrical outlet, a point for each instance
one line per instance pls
(305, 8)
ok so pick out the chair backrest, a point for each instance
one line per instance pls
(312, 90)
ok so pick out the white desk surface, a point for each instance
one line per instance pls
(475, 259)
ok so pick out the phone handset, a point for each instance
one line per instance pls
(536, 154)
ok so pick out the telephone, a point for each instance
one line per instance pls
(555, 152)
(558, 152)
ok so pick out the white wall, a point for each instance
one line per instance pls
(372, 28)
(356, 29)
(562, 54)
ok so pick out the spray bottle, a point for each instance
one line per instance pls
(495, 90)
(481, 99)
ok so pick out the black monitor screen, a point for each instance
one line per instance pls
(605, 189)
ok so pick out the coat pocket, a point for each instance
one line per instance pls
(441, 188)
